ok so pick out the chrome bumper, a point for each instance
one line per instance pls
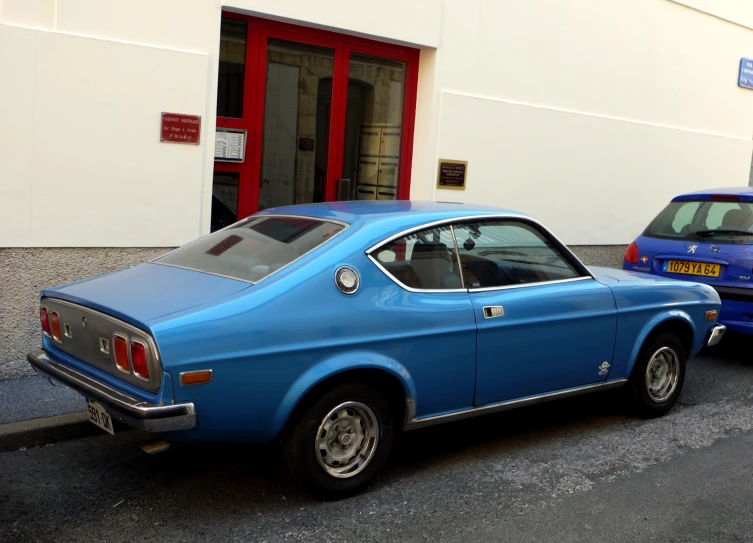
(716, 335)
(126, 409)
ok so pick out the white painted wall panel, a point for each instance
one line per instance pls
(34, 13)
(16, 134)
(592, 180)
(191, 25)
(415, 22)
(736, 11)
(648, 60)
(99, 175)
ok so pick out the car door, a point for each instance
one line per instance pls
(544, 324)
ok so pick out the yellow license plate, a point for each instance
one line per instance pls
(692, 268)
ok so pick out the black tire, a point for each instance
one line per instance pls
(299, 443)
(643, 400)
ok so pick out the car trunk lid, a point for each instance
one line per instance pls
(148, 291)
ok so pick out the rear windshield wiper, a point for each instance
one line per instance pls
(703, 233)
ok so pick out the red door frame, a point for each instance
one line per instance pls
(259, 33)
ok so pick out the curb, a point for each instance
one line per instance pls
(37, 432)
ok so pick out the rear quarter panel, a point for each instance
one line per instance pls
(269, 347)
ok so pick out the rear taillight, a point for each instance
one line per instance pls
(631, 254)
(44, 318)
(138, 357)
(55, 326)
(120, 348)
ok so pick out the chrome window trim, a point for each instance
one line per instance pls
(457, 256)
(275, 215)
(415, 423)
(567, 253)
(524, 285)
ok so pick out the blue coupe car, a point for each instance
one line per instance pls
(704, 237)
(329, 328)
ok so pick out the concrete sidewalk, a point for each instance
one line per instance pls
(34, 412)
(35, 398)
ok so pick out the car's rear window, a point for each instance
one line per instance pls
(253, 249)
(717, 221)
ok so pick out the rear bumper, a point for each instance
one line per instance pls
(126, 409)
(716, 335)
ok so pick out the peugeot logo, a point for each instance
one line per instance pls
(83, 322)
(692, 248)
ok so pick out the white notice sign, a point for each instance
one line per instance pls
(230, 145)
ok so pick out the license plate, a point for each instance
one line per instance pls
(692, 268)
(99, 416)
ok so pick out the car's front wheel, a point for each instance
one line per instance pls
(339, 441)
(658, 376)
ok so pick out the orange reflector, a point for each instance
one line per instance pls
(710, 315)
(196, 377)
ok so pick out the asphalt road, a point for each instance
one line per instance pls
(576, 470)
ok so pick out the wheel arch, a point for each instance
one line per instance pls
(376, 370)
(678, 323)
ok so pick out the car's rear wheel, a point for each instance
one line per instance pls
(339, 441)
(658, 375)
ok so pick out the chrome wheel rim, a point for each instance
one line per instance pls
(347, 439)
(662, 374)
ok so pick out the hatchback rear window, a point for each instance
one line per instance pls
(722, 221)
(255, 248)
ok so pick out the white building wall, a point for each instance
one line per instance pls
(588, 114)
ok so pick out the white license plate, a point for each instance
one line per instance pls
(99, 416)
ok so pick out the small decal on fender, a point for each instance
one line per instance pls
(604, 368)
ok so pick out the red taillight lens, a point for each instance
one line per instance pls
(120, 348)
(631, 254)
(55, 325)
(44, 318)
(138, 357)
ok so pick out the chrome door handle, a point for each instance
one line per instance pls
(493, 311)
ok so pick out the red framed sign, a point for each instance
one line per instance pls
(326, 116)
(180, 128)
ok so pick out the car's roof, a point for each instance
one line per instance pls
(407, 212)
(744, 193)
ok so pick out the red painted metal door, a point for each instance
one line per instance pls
(315, 108)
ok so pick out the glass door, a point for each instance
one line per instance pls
(374, 113)
(297, 114)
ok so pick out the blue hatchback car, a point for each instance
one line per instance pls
(330, 328)
(705, 237)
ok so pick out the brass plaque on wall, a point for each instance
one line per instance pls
(452, 174)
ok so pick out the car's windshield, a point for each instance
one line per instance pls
(722, 221)
(252, 249)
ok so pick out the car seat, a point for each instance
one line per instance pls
(433, 265)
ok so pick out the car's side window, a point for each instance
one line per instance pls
(422, 260)
(509, 252)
